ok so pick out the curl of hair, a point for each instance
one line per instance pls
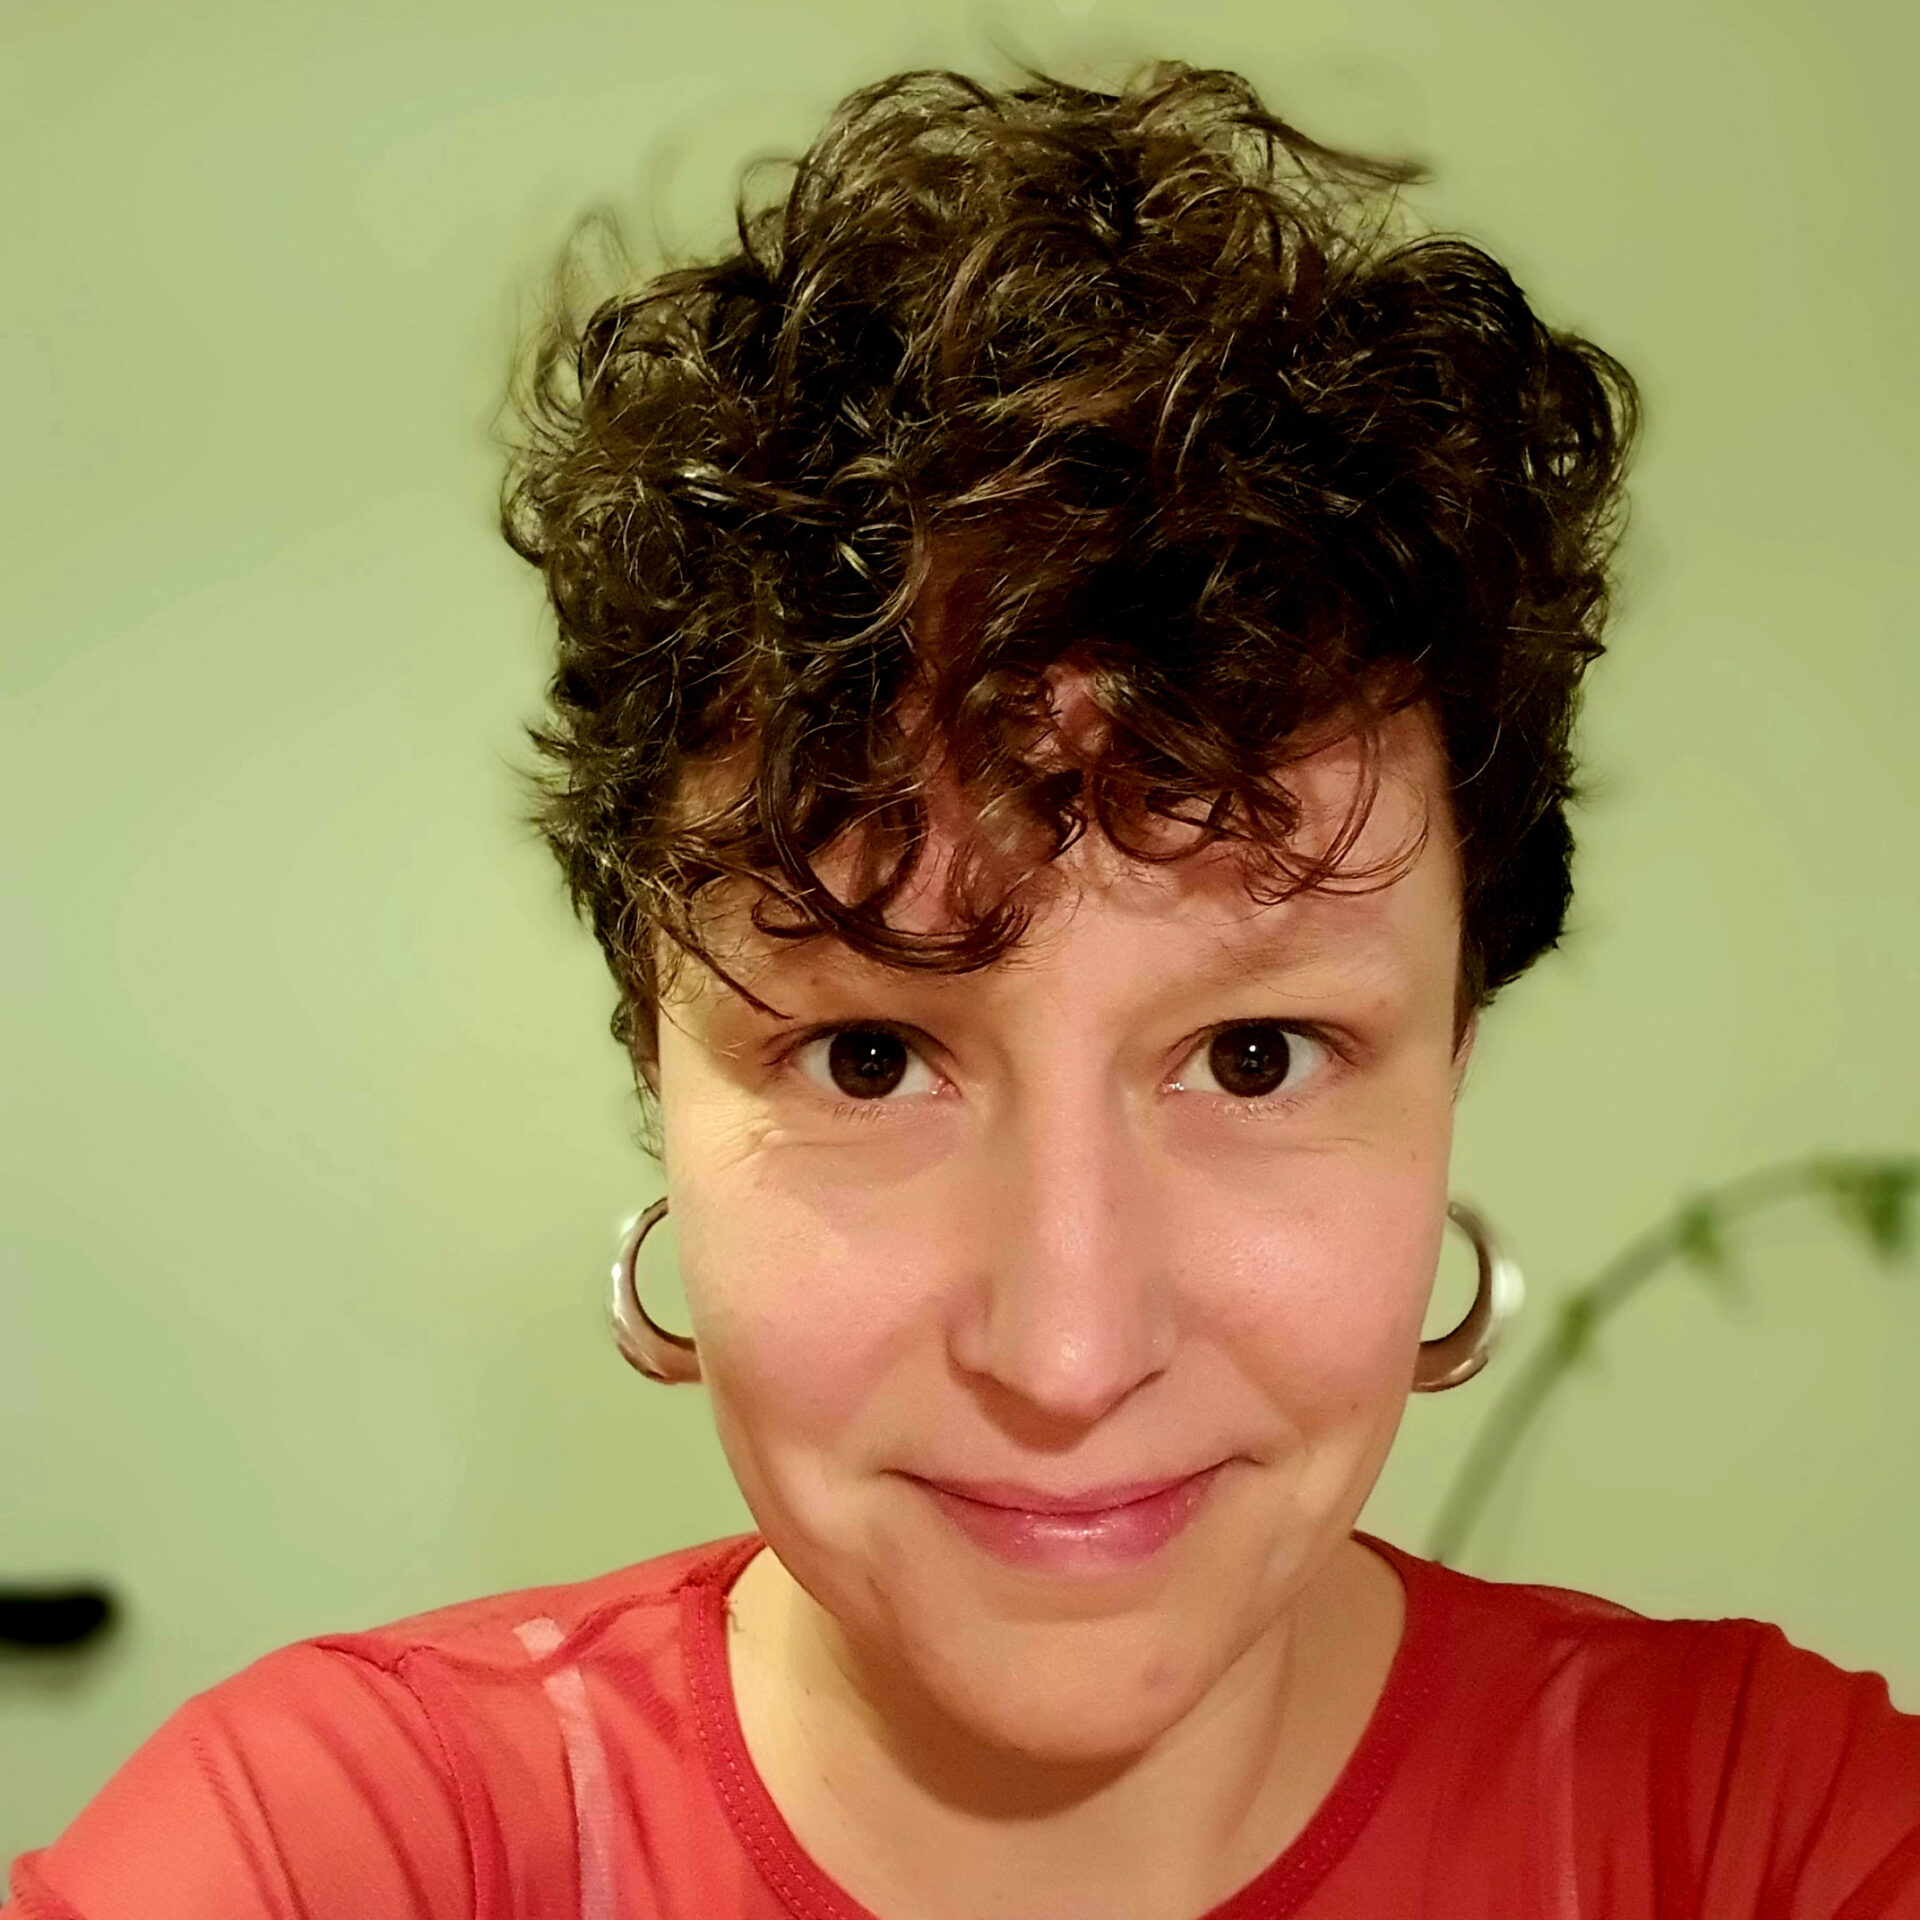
(1147, 381)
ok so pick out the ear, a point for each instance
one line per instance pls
(646, 1064)
(1463, 1050)
(639, 1027)
(643, 1053)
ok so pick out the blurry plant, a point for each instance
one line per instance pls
(1873, 1197)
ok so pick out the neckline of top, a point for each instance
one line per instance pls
(1278, 1890)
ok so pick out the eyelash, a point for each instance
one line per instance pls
(1262, 1106)
(861, 1110)
(872, 1110)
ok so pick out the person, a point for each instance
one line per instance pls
(1068, 641)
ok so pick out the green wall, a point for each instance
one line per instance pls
(314, 1139)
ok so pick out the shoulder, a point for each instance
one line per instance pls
(425, 1679)
(1715, 1684)
(417, 1761)
(500, 1631)
(1755, 1770)
(1741, 1678)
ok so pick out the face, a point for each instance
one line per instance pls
(1058, 1317)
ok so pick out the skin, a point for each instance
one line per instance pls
(1059, 1253)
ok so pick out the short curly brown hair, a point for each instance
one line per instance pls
(1147, 381)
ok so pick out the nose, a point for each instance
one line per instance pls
(1073, 1308)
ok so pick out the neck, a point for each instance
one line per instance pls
(920, 1821)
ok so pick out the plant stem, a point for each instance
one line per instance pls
(1579, 1317)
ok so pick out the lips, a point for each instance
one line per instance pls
(1101, 1530)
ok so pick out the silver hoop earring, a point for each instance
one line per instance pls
(1459, 1355)
(644, 1344)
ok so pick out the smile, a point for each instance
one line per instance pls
(1104, 1531)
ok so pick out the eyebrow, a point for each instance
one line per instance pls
(1307, 942)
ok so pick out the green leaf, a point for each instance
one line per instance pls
(1699, 1238)
(1876, 1198)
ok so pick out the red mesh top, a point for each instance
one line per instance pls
(571, 1753)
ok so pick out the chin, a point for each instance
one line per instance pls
(1080, 1692)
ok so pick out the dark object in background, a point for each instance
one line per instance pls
(54, 1617)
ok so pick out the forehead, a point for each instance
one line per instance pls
(1392, 907)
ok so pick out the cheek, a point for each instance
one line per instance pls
(797, 1306)
(1320, 1304)
(806, 1300)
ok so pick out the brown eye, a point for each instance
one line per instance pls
(867, 1063)
(1254, 1059)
